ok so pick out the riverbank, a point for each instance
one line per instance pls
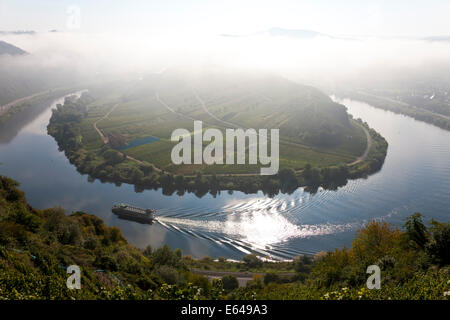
(400, 107)
(110, 165)
(20, 105)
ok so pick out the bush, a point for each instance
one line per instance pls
(148, 251)
(256, 283)
(302, 264)
(200, 281)
(438, 247)
(165, 256)
(106, 263)
(416, 231)
(252, 261)
(271, 277)
(113, 157)
(22, 216)
(230, 283)
(168, 274)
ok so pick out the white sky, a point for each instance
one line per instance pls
(370, 17)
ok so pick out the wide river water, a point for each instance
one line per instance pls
(414, 178)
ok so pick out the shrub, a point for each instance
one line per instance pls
(168, 274)
(230, 282)
(438, 247)
(165, 256)
(302, 264)
(271, 277)
(106, 262)
(416, 231)
(252, 261)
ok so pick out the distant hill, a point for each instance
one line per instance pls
(438, 38)
(7, 48)
(19, 32)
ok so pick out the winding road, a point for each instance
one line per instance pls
(105, 139)
(366, 151)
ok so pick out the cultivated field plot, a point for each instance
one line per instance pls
(313, 129)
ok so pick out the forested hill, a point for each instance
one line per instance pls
(23, 74)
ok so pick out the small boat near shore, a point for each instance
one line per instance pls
(129, 212)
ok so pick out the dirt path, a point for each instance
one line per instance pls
(172, 110)
(212, 115)
(105, 139)
(366, 152)
(4, 108)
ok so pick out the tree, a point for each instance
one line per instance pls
(165, 256)
(302, 264)
(416, 231)
(147, 168)
(136, 175)
(252, 261)
(168, 274)
(179, 180)
(439, 245)
(375, 241)
(148, 251)
(166, 180)
(113, 157)
(271, 277)
(230, 283)
(288, 178)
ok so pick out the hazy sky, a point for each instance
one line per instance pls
(377, 17)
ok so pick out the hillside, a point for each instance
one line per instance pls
(37, 246)
(313, 129)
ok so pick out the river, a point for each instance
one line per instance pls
(414, 178)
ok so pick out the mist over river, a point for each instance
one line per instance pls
(415, 178)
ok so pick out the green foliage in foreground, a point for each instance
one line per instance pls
(37, 245)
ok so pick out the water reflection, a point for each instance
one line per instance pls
(17, 122)
(415, 177)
